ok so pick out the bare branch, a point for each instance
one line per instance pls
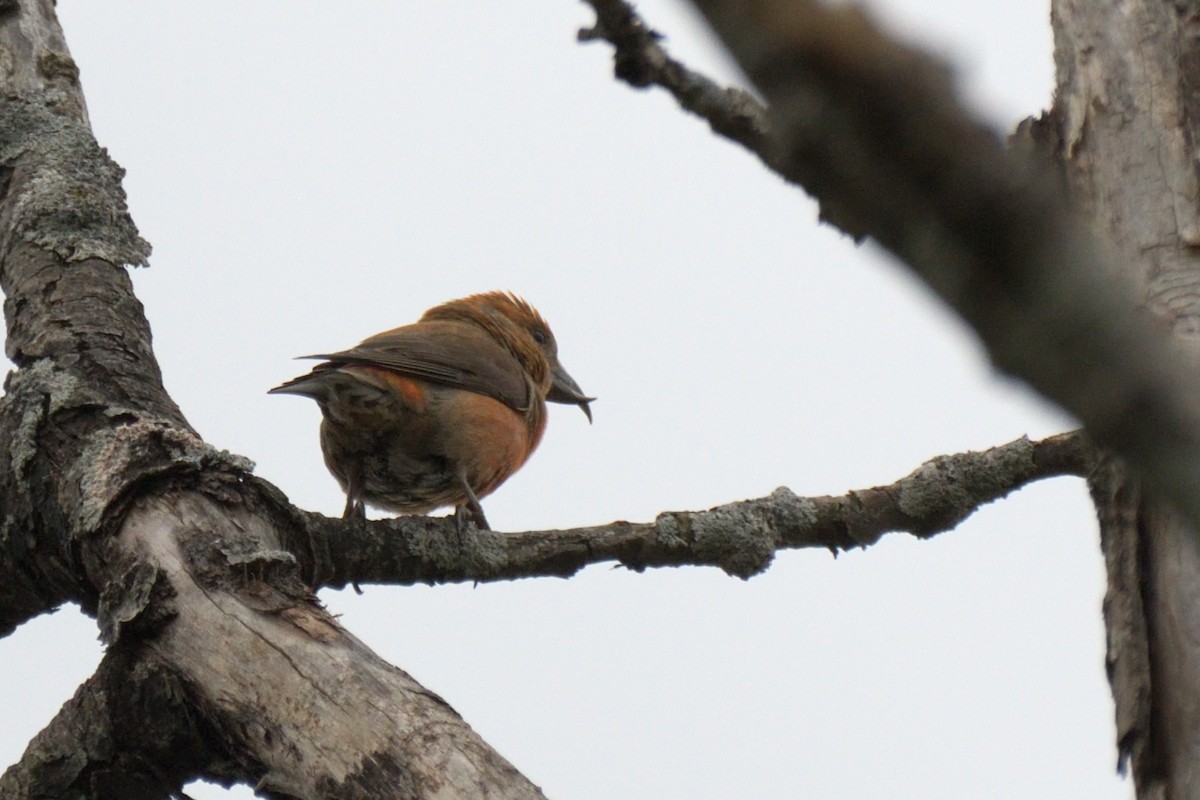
(73, 323)
(873, 129)
(104, 744)
(111, 499)
(741, 538)
(222, 665)
(641, 61)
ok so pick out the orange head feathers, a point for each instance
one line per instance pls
(442, 411)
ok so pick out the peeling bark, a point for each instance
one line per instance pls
(220, 662)
(1126, 109)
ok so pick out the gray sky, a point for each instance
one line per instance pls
(310, 174)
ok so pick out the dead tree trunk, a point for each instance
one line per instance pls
(220, 662)
(1127, 113)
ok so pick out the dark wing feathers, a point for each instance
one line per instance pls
(448, 353)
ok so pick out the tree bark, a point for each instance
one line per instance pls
(1127, 113)
(740, 538)
(220, 661)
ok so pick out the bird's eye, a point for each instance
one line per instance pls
(539, 335)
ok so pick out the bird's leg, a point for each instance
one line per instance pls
(476, 511)
(354, 510)
(354, 504)
(472, 505)
(461, 522)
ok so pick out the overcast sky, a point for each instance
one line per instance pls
(310, 174)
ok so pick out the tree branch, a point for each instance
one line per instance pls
(641, 61)
(127, 732)
(112, 500)
(73, 324)
(873, 129)
(741, 538)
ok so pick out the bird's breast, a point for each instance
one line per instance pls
(482, 436)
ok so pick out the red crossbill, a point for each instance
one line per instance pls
(440, 412)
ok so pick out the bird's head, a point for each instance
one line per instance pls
(517, 325)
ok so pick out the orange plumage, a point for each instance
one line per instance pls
(440, 412)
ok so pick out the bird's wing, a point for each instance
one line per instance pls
(446, 352)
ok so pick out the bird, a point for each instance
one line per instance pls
(439, 412)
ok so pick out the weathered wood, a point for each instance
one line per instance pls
(220, 662)
(1126, 111)
(288, 690)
